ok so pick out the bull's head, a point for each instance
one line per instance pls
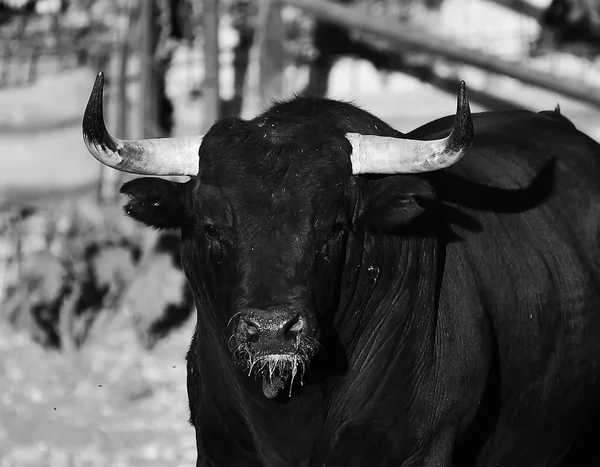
(267, 214)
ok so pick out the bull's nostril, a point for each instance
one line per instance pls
(293, 328)
(270, 326)
(251, 330)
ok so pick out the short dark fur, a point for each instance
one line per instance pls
(457, 309)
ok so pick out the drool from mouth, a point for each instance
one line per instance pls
(277, 371)
(280, 364)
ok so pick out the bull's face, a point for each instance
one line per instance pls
(265, 220)
(263, 227)
(271, 212)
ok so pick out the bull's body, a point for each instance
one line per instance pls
(428, 322)
(464, 325)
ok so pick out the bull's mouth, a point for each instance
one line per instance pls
(278, 371)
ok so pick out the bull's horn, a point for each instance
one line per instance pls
(384, 155)
(165, 156)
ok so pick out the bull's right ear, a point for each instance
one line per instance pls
(155, 202)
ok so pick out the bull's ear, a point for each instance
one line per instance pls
(155, 202)
(397, 200)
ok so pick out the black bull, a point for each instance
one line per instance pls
(411, 319)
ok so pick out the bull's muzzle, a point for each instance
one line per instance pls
(272, 331)
(276, 345)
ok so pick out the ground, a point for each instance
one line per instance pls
(112, 405)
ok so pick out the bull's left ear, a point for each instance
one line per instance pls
(156, 202)
(397, 200)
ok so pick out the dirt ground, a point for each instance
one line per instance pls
(112, 405)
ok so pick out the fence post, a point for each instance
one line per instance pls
(6, 64)
(211, 95)
(110, 179)
(149, 78)
(31, 75)
(264, 79)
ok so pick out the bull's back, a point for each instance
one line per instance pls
(531, 237)
(529, 175)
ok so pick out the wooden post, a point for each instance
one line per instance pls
(121, 91)
(264, 80)
(318, 72)
(6, 64)
(211, 101)
(55, 31)
(272, 58)
(241, 58)
(149, 76)
(155, 109)
(31, 75)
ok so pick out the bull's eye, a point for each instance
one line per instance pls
(333, 239)
(215, 246)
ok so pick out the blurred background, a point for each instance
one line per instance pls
(95, 314)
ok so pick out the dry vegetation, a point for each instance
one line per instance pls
(109, 403)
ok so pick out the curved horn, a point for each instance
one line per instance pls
(165, 156)
(385, 155)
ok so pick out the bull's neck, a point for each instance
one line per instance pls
(392, 284)
(386, 326)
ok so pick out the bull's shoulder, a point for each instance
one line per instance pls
(526, 167)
